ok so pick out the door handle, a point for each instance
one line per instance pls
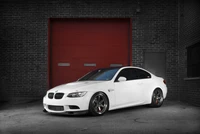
(110, 90)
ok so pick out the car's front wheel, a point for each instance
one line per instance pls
(157, 98)
(98, 104)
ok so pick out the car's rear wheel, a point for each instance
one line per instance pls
(98, 104)
(157, 98)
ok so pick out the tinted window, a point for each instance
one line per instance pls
(124, 73)
(100, 74)
(128, 74)
(141, 74)
(133, 73)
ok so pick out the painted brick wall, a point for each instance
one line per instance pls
(155, 30)
(189, 35)
(24, 48)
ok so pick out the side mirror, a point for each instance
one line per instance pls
(120, 79)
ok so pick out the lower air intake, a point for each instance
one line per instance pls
(56, 108)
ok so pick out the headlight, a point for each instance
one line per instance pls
(77, 94)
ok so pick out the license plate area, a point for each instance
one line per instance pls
(56, 108)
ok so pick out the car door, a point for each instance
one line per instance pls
(145, 85)
(126, 92)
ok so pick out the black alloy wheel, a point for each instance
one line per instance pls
(157, 98)
(98, 104)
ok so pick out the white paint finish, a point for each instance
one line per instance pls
(125, 92)
(64, 64)
(134, 92)
(120, 94)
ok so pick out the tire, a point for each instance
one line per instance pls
(98, 104)
(157, 98)
(44, 110)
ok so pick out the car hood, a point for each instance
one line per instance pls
(78, 86)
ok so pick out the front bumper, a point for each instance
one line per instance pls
(67, 105)
(68, 113)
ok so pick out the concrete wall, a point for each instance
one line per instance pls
(24, 46)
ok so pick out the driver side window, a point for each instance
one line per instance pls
(127, 73)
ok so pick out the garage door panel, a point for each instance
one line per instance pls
(79, 44)
(89, 32)
(88, 52)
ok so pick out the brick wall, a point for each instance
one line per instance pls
(23, 40)
(189, 35)
(155, 30)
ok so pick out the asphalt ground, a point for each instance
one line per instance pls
(172, 118)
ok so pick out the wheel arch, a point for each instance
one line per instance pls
(151, 94)
(157, 88)
(103, 93)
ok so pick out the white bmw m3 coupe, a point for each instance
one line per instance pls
(107, 89)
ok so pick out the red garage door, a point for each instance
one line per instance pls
(78, 46)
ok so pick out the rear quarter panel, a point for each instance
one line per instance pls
(160, 84)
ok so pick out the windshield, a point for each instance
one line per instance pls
(100, 75)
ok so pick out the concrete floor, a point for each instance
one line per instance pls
(172, 117)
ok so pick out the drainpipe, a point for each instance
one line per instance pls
(178, 45)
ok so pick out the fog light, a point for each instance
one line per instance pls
(73, 107)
